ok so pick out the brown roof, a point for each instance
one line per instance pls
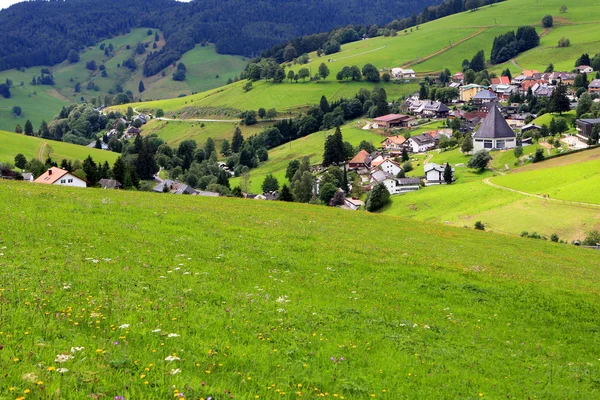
(502, 80)
(360, 158)
(391, 117)
(396, 139)
(51, 176)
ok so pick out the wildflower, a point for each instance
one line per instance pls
(124, 326)
(75, 349)
(156, 330)
(40, 382)
(26, 391)
(175, 371)
(62, 370)
(173, 335)
(172, 358)
(30, 377)
(119, 398)
(62, 358)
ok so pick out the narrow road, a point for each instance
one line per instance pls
(567, 202)
(230, 121)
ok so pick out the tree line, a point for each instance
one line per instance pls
(43, 33)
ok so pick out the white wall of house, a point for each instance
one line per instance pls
(494, 144)
(70, 180)
(390, 167)
(416, 148)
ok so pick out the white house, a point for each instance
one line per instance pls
(57, 176)
(434, 174)
(395, 185)
(494, 133)
(390, 167)
(403, 73)
(421, 143)
(393, 143)
(585, 69)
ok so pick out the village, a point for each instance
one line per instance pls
(477, 117)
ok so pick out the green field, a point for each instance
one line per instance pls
(174, 132)
(308, 146)
(44, 102)
(12, 144)
(577, 181)
(272, 300)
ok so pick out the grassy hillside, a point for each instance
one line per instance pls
(44, 102)
(573, 178)
(33, 147)
(287, 299)
(309, 146)
(473, 199)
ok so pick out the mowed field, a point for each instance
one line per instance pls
(573, 178)
(12, 144)
(174, 132)
(274, 300)
(206, 70)
(311, 146)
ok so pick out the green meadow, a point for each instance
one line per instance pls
(12, 144)
(174, 132)
(577, 181)
(269, 300)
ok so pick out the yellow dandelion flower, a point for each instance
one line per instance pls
(50, 369)
(142, 376)
(40, 382)
(26, 391)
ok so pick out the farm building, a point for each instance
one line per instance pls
(494, 133)
(361, 160)
(392, 121)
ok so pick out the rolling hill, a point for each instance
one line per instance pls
(281, 302)
(206, 70)
(41, 149)
(514, 202)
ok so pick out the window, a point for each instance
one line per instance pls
(62, 181)
(500, 144)
(70, 180)
(488, 144)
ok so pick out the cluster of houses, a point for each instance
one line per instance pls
(382, 167)
(131, 130)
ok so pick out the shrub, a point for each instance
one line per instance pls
(564, 42)
(479, 226)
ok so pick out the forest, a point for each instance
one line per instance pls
(39, 33)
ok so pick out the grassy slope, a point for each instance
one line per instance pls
(174, 132)
(32, 147)
(203, 65)
(283, 96)
(262, 304)
(576, 181)
(571, 177)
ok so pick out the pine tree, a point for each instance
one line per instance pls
(334, 153)
(285, 194)
(448, 175)
(91, 171)
(237, 140)
(118, 171)
(141, 87)
(28, 128)
(18, 129)
(324, 105)
(559, 102)
(404, 155)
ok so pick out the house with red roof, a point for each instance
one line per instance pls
(361, 160)
(502, 80)
(57, 176)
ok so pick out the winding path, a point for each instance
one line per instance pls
(575, 203)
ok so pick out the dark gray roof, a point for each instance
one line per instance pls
(485, 95)
(494, 126)
(423, 138)
(409, 181)
(590, 121)
(110, 184)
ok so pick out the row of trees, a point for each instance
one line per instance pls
(509, 45)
